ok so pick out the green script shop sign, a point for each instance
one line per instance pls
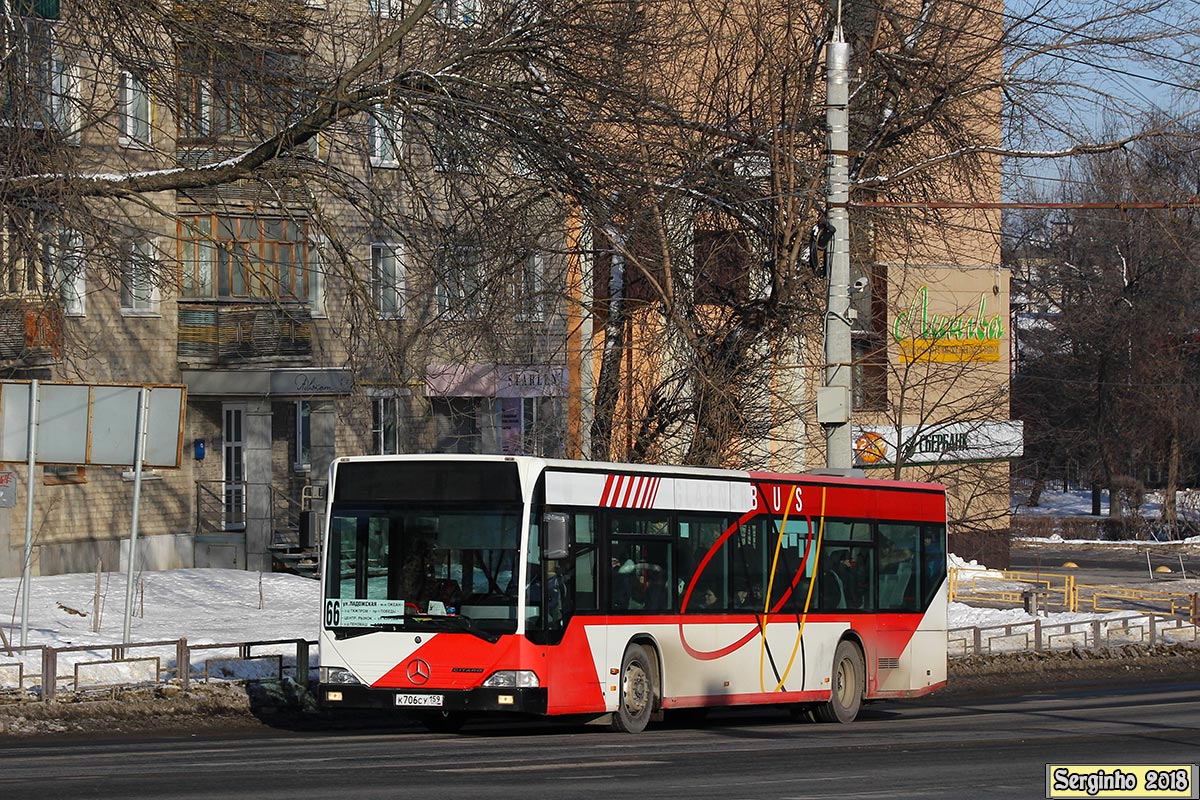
(923, 336)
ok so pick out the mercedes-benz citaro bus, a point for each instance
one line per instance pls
(461, 585)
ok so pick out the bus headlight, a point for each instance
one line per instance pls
(338, 675)
(505, 678)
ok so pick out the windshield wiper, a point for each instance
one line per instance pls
(456, 622)
(363, 630)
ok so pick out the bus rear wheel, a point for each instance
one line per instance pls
(845, 698)
(635, 701)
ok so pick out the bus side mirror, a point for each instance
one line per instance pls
(554, 523)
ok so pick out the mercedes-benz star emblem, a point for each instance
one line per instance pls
(418, 671)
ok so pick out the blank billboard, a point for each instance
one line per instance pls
(92, 424)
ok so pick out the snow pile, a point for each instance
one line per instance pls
(208, 606)
(965, 616)
(954, 562)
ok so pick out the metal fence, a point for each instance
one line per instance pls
(1039, 636)
(1065, 593)
(107, 667)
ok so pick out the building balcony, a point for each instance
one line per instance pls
(31, 333)
(223, 334)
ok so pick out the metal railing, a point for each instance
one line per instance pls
(213, 513)
(1005, 586)
(1064, 593)
(1039, 636)
(285, 518)
(143, 664)
(1116, 598)
(221, 507)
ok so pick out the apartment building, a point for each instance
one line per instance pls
(354, 294)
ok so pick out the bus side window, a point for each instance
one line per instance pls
(698, 535)
(747, 566)
(584, 573)
(899, 572)
(933, 561)
(343, 552)
(638, 543)
(786, 550)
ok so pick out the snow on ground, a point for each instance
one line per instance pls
(1075, 502)
(1078, 503)
(207, 606)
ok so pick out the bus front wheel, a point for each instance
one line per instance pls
(845, 697)
(635, 701)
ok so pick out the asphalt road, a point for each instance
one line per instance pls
(1112, 564)
(918, 749)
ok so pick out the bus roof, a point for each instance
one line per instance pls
(573, 465)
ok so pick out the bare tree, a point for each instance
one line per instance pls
(688, 139)
(1112, 384)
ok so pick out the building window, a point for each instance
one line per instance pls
(68, 267)
(236, 92)
(28, 254)
(383, 136)
(722, 260)
(65, 108)
(530, 289)
(303, 436)
(317, 249)
(456, 425)
(458, 288)
(134, 110)
(638, 255)
(869, 346)
(870, 373)
(527, 426)
(62, 475)
(244, 257)
(387, 9)
(457, 144)
(138, 292)
(385, 425)
(27, 52)
(387, 279)
(458, 13)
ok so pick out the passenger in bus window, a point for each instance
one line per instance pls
(750, 597)
(935, 559)
(451, 595)
(656, 589)
(622, 582)
(839, 586)
(709, 600)
(853, 577)
(555, 586)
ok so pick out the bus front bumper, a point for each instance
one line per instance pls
(480, 699)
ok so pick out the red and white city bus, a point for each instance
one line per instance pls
(460, 585)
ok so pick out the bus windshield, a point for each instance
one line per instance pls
(427, 568)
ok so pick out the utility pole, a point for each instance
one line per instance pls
(833, 398)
